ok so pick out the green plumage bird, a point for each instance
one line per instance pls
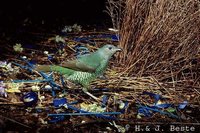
(84, 69)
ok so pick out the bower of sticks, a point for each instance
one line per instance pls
(154, 80)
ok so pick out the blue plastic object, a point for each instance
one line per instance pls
(55, 119)
(115, 37)
(162, 106)
(89, 38)
(30, 99)
(157, 97)
(147, 111)
(59, 102)
(81, 50)
(124, 108)
(182, 105)
(50, 57)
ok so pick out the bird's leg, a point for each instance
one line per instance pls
(85, 90)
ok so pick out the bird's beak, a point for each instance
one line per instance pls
(118, 49)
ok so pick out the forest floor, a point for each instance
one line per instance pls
(32, 101)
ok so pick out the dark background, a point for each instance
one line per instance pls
(51, 15)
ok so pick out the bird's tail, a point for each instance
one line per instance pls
(49, 68)
(43, 68)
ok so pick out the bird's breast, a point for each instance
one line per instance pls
(81, 77)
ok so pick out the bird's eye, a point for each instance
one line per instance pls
(109, 48)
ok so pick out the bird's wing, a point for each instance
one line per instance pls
(78, 66)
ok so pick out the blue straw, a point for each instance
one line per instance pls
(157, 110)
(97, 115)
(88, 113)
(32, 81)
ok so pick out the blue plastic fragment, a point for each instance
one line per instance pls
(24, 67)
(62, 101)
(146, 111)
(50, 57)
(33, 62)
(90, 37)
(124, 108)
(51, 82)
(47, 77)
(104, 100)
(157, 97)
(39, 110)
(30, 99)
(62, 80)
(161, 106)
(32, 81)
(61, 45)
(182, 105)
(59, 102)
(30, 65)
(74, 102)
(55, 119)
(81, 50)
(28, 62)
(53, 93)
(82, 112)
(115, 37)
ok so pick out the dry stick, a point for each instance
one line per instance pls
(11, 103)
(3, 99)
(141, 72)
(128, 69)
(168, 16)
(161, 85)
(29, 49)
(15, 121)
(172, 76)
(197, 91)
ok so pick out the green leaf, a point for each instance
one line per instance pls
(170, 109)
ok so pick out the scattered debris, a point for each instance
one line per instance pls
(18, 47)
(74, 28)
(48, 98)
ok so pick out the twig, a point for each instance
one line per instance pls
(14, 121)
